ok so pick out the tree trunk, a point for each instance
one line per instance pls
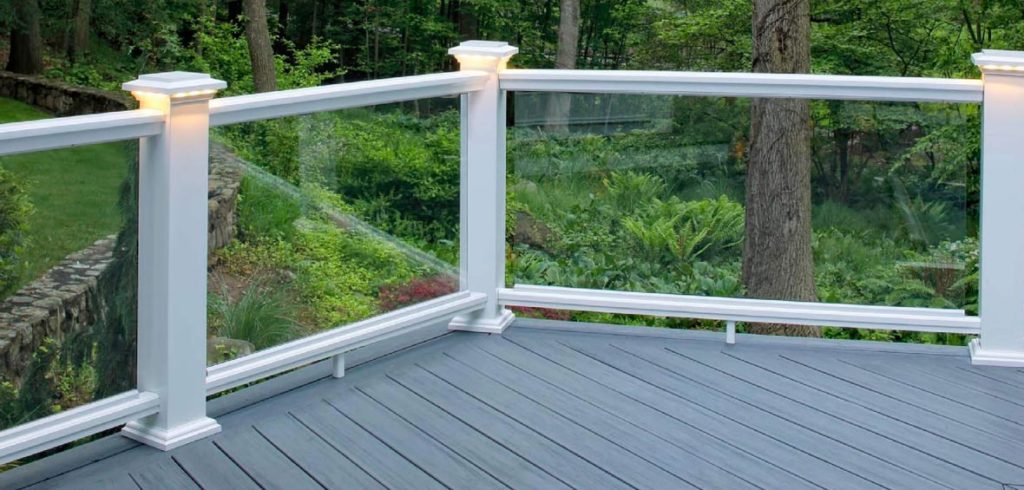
(80, 29)
(261, 53)
(26, 39)
(777, 258)
(560, 104)
(469, 26)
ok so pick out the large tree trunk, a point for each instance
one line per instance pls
(80, 29)
(261, 53)
(560, 105)
(777, 258)
(26, 39)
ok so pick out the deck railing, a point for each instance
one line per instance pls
(168, 408)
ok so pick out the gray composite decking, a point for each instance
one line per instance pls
(607, 407)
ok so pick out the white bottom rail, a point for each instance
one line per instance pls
(337, 341)
(47, 432)
(742, 309)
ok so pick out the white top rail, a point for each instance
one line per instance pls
(834, 87)
(63, 132)
(245, 108)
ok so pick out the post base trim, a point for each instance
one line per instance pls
(471, 323)
(988, 357)
(165, 440)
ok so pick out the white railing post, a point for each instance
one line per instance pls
(173, 186)
(1001, 288)
(482, 188)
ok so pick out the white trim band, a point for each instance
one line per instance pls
(64, 132)
(282, 103)
(337, 341)
(742, 309)
(797, 86)
(47, 432)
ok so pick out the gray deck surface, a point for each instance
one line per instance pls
(541, 407)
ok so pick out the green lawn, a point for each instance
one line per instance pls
(74, 192)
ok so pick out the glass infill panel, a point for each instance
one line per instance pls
(68, 269)
(338, 217)
(865, 203)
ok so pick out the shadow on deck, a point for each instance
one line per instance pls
(600, 407)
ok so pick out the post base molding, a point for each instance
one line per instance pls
(165, 440)
(985, 357)
(470, 323)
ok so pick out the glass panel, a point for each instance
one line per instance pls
(67, 275)
(649, 193)
(340, 216)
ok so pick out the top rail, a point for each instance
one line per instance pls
(63, 132)
(245, 108)
(798, 86)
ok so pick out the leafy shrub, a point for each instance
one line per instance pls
(398, 169)
(394, 296)
(262, 315)
(14, 212)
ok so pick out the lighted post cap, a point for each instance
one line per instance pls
(176, 84)
(999, 61)
(490, 49)
(483, 55)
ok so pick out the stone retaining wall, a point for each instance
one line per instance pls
(60, 98)
(63, 299)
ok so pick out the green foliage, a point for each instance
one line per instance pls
(14, 212)
(335, 273)
(266, 214)
(400, 172)
(262, 315)
(73, 193)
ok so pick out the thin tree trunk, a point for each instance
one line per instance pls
(261, 53)
(80, 30)
(565, 59)
(777, 258)
(469, 26)
(26, 39)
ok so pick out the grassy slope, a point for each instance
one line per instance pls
(74, 192)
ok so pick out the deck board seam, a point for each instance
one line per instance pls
(504, 414)
(619, 417)
(985, 375)
(842, 420)
(940, 395)
(239, 465)
(336, 449)
(727, 417)
(389, 446)
(289, 457)
(692, 426)
(431, 436)
(477, 430)
(571, 421)
(890, 416)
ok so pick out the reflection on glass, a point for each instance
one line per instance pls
(67, 275)
(340, 216)
(647, 193)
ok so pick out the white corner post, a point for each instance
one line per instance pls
(1001, 288)
(173, 186)
(482, 186)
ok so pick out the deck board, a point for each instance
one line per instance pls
(317, 458)
(209, 467)
(543, 406)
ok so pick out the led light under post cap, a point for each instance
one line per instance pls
(176, 85)
(999, 61)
